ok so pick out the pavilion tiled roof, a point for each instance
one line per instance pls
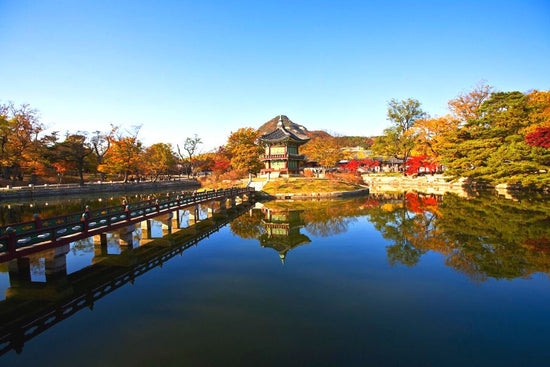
(282, 134)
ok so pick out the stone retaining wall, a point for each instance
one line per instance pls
(436, 184)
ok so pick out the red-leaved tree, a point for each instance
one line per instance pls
(539, 138)
(416, 163)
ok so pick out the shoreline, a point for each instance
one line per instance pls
(316, 195)
(438, 184)
(34, 191)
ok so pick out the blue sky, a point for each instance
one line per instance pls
(209, 67)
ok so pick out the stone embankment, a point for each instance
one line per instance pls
(33, 191)
(436, 184)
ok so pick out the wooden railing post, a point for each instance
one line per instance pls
(12, 240)
(84, 221)
(37, 221)
(127, 211)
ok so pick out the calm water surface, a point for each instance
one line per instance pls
(394, 280)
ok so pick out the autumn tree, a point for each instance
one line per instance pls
(20, 142)
(71, 153)
(101, 142)
(432, 133)
(467, 106)
(244, 151)
(325, 151)
(493, 147)
(124, 156)
(420, 163)
(190, 149)
(159, 159)
(399, 140)
(539, 138)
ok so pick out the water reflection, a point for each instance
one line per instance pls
(43, 290)
(483, 237)
(22, 210)
(282, 231)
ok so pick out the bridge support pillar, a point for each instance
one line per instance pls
(176, 220)
(100, 245)
(100, 239)
(222, 203)
(167, 227)
(56, 263)
(127, 237)
(19, 271)
(146, 229)
(100, 250)
(194, 215)
(211, 209)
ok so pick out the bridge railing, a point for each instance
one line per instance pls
(28, 234)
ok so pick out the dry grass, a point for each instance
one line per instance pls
(308, 185)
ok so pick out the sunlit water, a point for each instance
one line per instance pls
(378, 281)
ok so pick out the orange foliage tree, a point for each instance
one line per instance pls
(159, 159)
(123, 157)
(325, 151)
(433, 133)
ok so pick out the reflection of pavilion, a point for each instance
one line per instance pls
(282, 231)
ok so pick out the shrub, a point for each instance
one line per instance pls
(347, 177)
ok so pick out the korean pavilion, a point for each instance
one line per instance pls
(281, 150)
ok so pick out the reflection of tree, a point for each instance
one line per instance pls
(278, 224)
(494, 235)
(327, 218)
(248, 226)
(328, 226)
(397, 225)
(482, 237)
(85, 245)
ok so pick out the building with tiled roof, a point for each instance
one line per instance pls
(281, 150)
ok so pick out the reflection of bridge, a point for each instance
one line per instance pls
(26, 238)
(33, 307)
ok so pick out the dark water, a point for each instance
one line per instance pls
(396, 280)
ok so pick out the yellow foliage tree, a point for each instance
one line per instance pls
(432, 133)
(325, 151)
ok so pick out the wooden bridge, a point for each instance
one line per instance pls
(23, 239)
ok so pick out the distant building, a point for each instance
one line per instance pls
(355, 152)
(281, 150)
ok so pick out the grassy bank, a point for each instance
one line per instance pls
(308, 185)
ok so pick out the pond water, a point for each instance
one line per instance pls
(22, 210)
(385, 280)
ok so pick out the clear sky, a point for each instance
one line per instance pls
(209, 67)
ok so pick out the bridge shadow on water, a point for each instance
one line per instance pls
(31, 307)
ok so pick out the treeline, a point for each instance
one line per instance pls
(29, 154)
(488, 136)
